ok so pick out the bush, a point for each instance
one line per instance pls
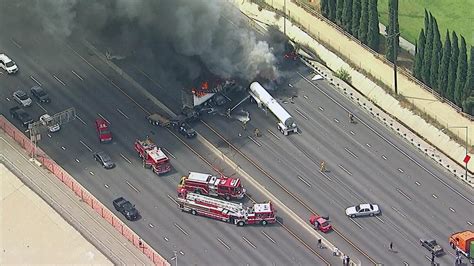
(344, 75)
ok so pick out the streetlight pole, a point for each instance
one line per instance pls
(284, 17)
(467, 143)
(394, 36)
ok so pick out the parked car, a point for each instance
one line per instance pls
(320, 223)
(363, 210)
(104, 160)
(48, 122)
(40, 94)
(432, 246)
(22, 98)
(126, 208)
(21, 115)
(7, 64)
(186, 130)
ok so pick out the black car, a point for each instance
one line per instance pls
(104, 159)
(432, 246)
(40, 94)
(126, 208)
(186, 130)
(21, 115)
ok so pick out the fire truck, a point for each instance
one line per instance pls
(231, 212)
(152, 156)
(211, 185)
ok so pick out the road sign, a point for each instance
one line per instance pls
(467, 158)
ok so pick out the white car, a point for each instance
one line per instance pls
(363, 210)
(22, 98)
(7, 64)
(48, 122)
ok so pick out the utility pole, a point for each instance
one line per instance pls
(284, 17)
(395, 53)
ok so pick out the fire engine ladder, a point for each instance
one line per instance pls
(231, 206)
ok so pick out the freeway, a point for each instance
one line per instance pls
(71, 82)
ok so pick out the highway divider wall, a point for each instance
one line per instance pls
(81, 192)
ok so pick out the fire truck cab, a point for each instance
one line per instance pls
(211, 185)
(231, 212)
(103, 130)
(152, 156)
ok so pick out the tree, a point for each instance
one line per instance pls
(339, 8)
(347, 16)
(419, 55)
(427, 20)
(373, 34)
(453, 66)
(469, 86)
(468, 105)
(356, 8)
(426, 66)
(392, 30)
(435, 55)
(443, 67)
(461, 74)
(332, 10)
(364, 21)
(325, 8)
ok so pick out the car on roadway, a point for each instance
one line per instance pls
(7, 64)
(40, 94)
(22, 98)
(365, 209)
(103, 130)
(186, 130)
(48, 121)
(21, 115)
(320, 223)
(104, 160)
(126, 208)
(432, 246)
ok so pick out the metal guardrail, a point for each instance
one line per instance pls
(407, 74)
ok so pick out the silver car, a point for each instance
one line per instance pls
(104, 160)
(363, 210)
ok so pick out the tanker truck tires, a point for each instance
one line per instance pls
(263, 222)
(193, 212)
(241, 223)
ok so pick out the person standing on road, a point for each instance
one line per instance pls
(322, 166)
(391, 246)
(351, 117)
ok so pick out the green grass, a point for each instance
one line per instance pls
(457, 15)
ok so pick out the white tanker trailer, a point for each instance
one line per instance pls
(286, 123)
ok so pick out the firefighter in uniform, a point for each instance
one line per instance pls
(322, 166)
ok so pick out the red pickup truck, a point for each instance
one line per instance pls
(103, 130)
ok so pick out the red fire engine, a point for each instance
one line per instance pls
(211, 185)
(152, 156)
(231, 212)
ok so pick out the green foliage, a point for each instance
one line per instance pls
(339, 8)
(364, 21)
(392, 30)
(435, 55)
(461, 73)
(426, 67)
(325, 8)
(373, 34)
(469, 86)
(468, 105)
(453, 66)
(347, 16)
(332, 10)
(344, 75)
(356, 9)
(443, 67)
(420, 51)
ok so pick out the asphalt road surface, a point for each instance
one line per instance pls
(71, 82)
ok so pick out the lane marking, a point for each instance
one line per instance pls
(469, 223)
(106, 186)
(223, 243)
(254, 141)
(352, 133)
(166, 239)
(321, 108)
(122, 113)
(126, 159)
(172, 199)
(167, 151)
(400, 170)
(434, 196)
(37, 82)
(417, 183)
(181, 229)
(134, 188)
(356, 223)
(368, 145)
(15, 43)
(64, 148)
(248, 241)
(302, 115)
(399, 212)
(344, 169)
(304, 181)
(40, 106)
(108, 122)
(351, 153)
(380, 219)
(383, 157)
(273, 134)
(452, 210)
(151, 225)
(77, 160)
(403, 193)
(267, 236)
(91, 173)
(60, 81)
(77, 75)
(85, 145)
(80, 119)
(336, 120)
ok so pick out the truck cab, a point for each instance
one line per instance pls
(103, 130)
